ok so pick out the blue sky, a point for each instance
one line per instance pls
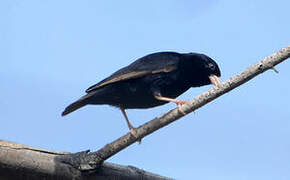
(51, 51)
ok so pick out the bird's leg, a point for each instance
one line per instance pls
(179, 103)
(127, 120)
(132, 129)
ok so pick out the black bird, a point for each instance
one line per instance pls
(151, 81)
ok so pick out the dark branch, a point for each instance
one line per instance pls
(20, 162)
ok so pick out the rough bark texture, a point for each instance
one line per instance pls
(20, 162)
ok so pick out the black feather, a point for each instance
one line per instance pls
(165, 73)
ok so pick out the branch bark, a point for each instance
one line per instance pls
(90, 161)
(20, 162)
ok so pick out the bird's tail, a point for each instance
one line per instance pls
(76, 105)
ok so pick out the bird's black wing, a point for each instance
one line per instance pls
(162, 62)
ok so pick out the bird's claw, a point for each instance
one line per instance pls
(181, 111)
(134, 133)
(179, 103)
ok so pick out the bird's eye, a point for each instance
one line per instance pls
(211, 66)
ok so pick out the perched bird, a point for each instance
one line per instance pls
(151, 81)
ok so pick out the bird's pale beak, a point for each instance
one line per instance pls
(216, 81)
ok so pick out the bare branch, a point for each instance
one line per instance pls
(93, 160)
(20, 162)
(23, 162)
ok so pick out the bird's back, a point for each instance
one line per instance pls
(147, 64)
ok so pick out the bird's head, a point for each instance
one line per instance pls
(204, 69)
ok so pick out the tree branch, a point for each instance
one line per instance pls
(24, 162)
(89, 161)
(20, 162)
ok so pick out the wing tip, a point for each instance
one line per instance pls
(74, 106)
(67, 111)
(64, 113)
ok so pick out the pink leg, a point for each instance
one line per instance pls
(179, 103)
(132, 129)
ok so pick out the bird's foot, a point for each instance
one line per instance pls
(132, 129)
(179, 103)
(134, 133)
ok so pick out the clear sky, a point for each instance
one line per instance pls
(51, 51)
